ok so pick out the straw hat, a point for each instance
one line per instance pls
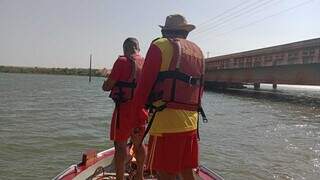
(177, 22)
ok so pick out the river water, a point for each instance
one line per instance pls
(47, 121)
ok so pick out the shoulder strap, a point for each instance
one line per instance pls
(179, 55)
(156, 39)
(133, 74)
(176, 47)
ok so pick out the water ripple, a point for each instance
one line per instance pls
(46, 122)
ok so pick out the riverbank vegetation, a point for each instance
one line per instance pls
(60, 71)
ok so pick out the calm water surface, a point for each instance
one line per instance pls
(46, 122)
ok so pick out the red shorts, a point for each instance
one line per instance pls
(173, 152)
(122, 124)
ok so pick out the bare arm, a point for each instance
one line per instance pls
(114, 76)
(108, 84)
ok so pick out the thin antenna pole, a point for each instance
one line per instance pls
(208, 54)
(90, 68)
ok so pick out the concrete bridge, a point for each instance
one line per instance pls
(295, 63)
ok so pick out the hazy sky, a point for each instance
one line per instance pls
(62, 33)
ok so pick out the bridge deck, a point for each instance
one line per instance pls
(294, 63)
(303, 52)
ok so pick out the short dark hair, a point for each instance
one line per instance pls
(174, 33)
(130, 46)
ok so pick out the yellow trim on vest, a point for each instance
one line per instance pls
(166, 49)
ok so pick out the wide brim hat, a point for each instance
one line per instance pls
(177, 22)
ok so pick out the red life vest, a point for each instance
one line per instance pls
(181, 86)
(123, 90)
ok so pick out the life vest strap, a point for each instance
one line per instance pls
(119, 97)
(204, 120)
(203, 115)
(132, 84)
(152, 109)
(180, 76)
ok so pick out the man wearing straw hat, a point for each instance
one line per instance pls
(171, 85)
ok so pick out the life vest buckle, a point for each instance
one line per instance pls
(204, 119)
(190, 80)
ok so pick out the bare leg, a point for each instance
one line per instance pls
(140, 152)
(187, 174)
(149, 162)
(120, 156)
(166, 176)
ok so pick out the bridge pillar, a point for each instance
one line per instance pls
(274, 86)
(256, 86)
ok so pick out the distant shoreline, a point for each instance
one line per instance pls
(53, 71)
